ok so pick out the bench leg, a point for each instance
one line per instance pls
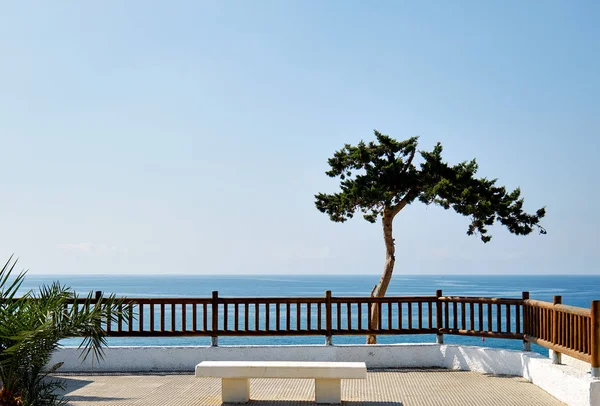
(235, 390)
(328, 391)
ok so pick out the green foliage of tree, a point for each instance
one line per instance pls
(32, 326)
(380, 178)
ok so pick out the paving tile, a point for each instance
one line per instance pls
(400, 387)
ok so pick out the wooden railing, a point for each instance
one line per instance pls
(482, 317)
(569, 330)
(564, 329)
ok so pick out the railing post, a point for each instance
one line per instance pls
(526, 344)
(439, 339)
(98, 295)
(328, 321)
(595, 361)
(214, 339)
(556, 356)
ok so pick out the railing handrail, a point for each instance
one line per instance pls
(580, 311)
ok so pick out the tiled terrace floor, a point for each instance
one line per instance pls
(381, 388)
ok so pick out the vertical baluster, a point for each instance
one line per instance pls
(543, 326)
(246, 317)
(472, 316)
(584, 332)
(140, 317)
(349, 315)
(162, 317)
(455, 314)
(278, 316)
(565, 322)
(298, 308)
(556, 357)
(389, 315)
(225, 316)
(578, 336)
(360, 315)
(571, 330)
(446, 315)
(236, 316)
(499, 317)
(463, 315)
(567, 331)
(108, 320)
(214, 313)
(379, 316)
(518, 318)
(369, 312)
(319, 317)
(194, 317)
(429, 315)
(480, 309)
(329, 334)
(538, 321)
(308, 314)
(267, 316)
(130, 321)
(173, 317)
(183, 317)
(409, 304)
(256, 316)
(288, 322)
(508, 327)
(439, 337)
(400, 315)
(205, 316)
(420, 316)
(526, 316)
(339, 316)
(489, 316)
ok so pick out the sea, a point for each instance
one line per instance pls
(575, 290)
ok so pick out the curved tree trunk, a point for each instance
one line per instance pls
(388, 269)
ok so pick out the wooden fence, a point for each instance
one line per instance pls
(564, 329)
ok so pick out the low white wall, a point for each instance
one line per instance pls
(570, 385)
(184, 359)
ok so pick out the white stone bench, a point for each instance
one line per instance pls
(235, 376)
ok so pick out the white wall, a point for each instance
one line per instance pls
(570, 385)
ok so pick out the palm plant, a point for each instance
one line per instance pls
(31, 328)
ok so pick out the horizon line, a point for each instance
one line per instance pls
(307, 274)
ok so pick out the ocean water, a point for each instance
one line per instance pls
(575, 291)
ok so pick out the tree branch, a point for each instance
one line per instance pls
(409, 162)
(405, 200)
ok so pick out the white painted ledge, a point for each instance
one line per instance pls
(569, 384)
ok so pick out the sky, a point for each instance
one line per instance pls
(191, 137)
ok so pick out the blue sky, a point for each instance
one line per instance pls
(190, 137)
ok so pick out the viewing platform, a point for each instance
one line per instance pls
(401, 387)
(469, 374)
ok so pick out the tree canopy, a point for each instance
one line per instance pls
(378, 178)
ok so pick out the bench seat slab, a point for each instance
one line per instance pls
(279, 369)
